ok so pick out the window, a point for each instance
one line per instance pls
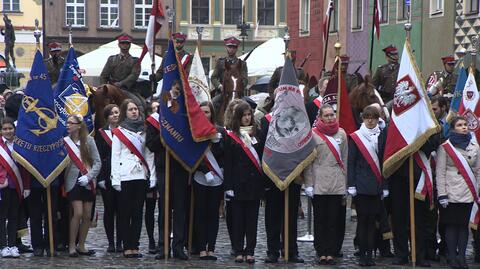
(357, 16)
(471, 6)
(142, 13)
(109, 13)
(200, 11)
(402, 11)
(384, 5)
(75, 13)
(266, 12)
(11, 5)
(436, 7)
(334, 18)
(304, 16)
(233, 11)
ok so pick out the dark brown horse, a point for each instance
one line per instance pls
(103, 95)
(233, 88)
(362, 96)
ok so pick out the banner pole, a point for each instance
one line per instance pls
(326, 42)
(412, 213)
(166, 220)
(190, 220)
(50, 221)
(285, 226)
(373, 35)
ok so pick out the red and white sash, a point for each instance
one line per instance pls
(424, 185)
(185, 60)
(332, 145)
(268, 117)
(469, 177)
(251, 153)
(106, 135)
(132, 143)
(11, 167)
(368, 152)
(212, 164)
(318, 101)
(154, 120)
(74, 154)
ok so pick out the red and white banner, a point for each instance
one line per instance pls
(469, 107)
(377, 17)
(11, 167)
(157, 16)
(369, 153)
(412, 121)
(330, 9)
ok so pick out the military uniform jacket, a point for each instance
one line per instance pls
(385, 80)
(449, 80)
(181, 56)
(122, 69)
(217, 75)
(53, 68)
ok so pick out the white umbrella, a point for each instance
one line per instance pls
(266, 58)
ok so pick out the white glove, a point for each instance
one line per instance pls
(83, 181)
(230, 193)
(443, 200)
(209, 177)
(153, 183)
(217, 138)
(386, 193)
(26, 193)
(101, 184)
(352, 191)
(309, 191)
(117, 187)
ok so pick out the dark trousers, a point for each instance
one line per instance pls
(245, 218)
(229, 219)
(342, 217)
(150, 203)
(274, 219)
(9, 207)
(39, 216)
(132, 198)
(207, 202)
(326, 209)
(401, 220)
(63, 222)
(111, 214)
(179, 194)
(456, 236)
(368, 212)
(161, 212)
(431, 244)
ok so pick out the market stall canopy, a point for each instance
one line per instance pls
(266, 58)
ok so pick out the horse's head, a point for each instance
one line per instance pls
(103, 95)
(232, 83)
(363, 94)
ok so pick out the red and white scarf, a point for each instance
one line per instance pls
(133, 143)
(74, 155)
(250, 151)
(11, 167)
(333, 145)
(153, 119)
(106, 135)
(369, 153)
(466, 171)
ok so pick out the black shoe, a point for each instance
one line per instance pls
(271, 259)
(86, 253)
(432, 257)
(453, 263)
(204, 258)
(386, 254)
(160, 256)
(356, 253)
(180, 255)
(400, 261)
(295, 259)
(38, 252)
(54, 254)
(61, 248)
(477, 258)
(152, 249)
(24, 248)
(119, 248)
(73, 255)
(423, 263)
(212, 258)
(110, 248)
(462, 263)
(362, 261)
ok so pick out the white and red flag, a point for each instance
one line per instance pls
(327, 18)
(377, 17)
(157, 17)
(469, 107)
(413, 121)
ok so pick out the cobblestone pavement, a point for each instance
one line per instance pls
(97, 241)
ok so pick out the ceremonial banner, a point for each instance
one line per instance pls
(38, 144)
(457, 94)
(377, 17)
(184, 129)
(157, 16)
(330, 9)
(469, 107)
(197, 79)
(70, 94)
(289, 146)
(412, 121)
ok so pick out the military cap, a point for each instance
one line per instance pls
(461, 51)
(55, 46)
(391, 50)
(449, 59)
(179, 36)
(231, 41)
(124, 39)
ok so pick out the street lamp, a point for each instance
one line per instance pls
(243, 27)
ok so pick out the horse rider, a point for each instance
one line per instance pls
(231, 44)
(121, 70)
(186, 57)
(385, 78)
(55, 63)
(443, 82)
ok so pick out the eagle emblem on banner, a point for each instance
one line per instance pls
(406, 95)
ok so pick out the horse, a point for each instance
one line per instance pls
(233, 88)
(362, 96)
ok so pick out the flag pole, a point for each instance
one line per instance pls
(326, 40)
(152, 56)
(338, 46)
(191, 215)
(286, 40)
(166, 220)
(199, 30)
(373, 35)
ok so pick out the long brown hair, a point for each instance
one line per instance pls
(124, 107)
(212, 112)
(228, 117)
(83, 136)
(237, 118)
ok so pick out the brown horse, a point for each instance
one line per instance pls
(103, 95)
(233, 88)
(362, 96)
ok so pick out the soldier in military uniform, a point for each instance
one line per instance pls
(443, 82)
(55, 62)
(121, 70)
(385, 78)
(231, 44)
(186, 58)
